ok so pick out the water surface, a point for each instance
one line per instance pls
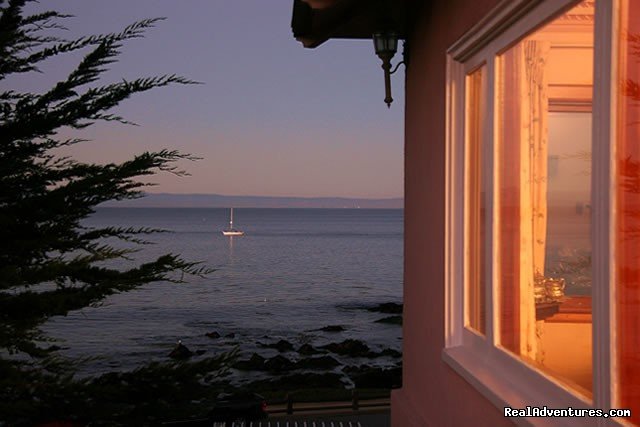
(294, 271)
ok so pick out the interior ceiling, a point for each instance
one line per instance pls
(316, 21)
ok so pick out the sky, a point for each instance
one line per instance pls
(271, 118)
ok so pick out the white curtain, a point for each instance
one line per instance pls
(528, 87)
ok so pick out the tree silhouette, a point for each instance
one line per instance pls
(44, 197)
(50, 263)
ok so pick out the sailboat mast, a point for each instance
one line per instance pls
(231, 220)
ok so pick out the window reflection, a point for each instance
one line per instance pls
(627, 235)
(543, 190)
(476, 185)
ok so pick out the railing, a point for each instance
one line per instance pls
(290, 424)
(290, 407)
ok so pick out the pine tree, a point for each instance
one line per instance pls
(50, 263)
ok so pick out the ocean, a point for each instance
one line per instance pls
(292, 273)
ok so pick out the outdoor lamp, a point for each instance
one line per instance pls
(386, 45)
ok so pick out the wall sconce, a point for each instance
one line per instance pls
(386, 45)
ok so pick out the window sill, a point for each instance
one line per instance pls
(507, 382)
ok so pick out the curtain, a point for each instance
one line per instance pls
(523, 192)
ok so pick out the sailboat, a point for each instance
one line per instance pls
(232, 231)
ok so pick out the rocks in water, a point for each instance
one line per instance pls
(231, 335)
(322, 362)
(332, 328)
(355, 369)
(213, 335)
(307, 349)
(387, 307)
(349, 347)
(390, 352)
(278, 364)
(180, 352)
(356, 348)
(281, 346)
(256, 360)
(258, 363)
(254, 363)
(391, 320)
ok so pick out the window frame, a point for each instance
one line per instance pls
(469, 70)
(500, 376)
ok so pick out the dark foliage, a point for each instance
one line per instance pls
(44, 197)
(147, 396)
(50, 263)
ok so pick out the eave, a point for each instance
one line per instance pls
(316, 21)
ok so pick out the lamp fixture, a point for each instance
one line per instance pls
(386, 45)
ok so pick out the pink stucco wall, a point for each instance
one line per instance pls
(433, 394)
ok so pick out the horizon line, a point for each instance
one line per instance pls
(281, 197)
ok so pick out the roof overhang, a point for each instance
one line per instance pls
(316, 21)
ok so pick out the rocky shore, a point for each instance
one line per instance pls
(324, 366)
(341, 364)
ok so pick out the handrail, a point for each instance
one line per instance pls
(355, 404)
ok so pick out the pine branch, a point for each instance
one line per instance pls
(27, 309)
(33, 118)
(20, 36)
(44, 197)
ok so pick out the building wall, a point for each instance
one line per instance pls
(433, 394)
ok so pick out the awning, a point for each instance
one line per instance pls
(316, 21)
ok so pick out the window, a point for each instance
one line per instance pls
(543, 208)
(476, 193)
(543, 243)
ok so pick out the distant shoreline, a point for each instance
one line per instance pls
(242, 207)
(168, 200)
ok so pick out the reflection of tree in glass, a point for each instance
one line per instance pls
(627, 235)
(629, 167)
(631, 87)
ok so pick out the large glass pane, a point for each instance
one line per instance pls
(627, 236)
(543, 195)
(476, 191)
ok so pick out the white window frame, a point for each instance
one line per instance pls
(500, 376)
